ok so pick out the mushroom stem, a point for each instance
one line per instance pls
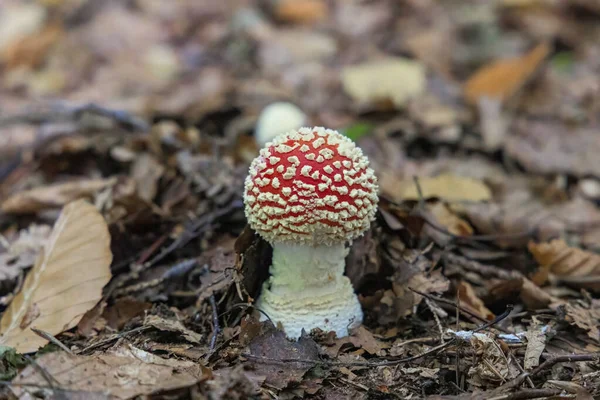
(307, 289)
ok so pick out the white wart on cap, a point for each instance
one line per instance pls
(310, 186)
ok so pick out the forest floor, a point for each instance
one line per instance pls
(479, 278)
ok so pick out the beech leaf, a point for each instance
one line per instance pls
(575, 266)
(65, 282)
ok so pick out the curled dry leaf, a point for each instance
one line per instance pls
(502, 79)
(65, 282)
(470, 300)
(53, 196)
(570, 264)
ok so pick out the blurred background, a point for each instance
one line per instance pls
(153, 110)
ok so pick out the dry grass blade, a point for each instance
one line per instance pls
(66, 281)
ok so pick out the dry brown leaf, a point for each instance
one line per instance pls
(582, 315)
(124, 374)
(446, 218)
(53, 196)
(31, 50)
(470, 300)
(576, 266)
(445, 186)
(536, 343)
(502, 79)
(300, 11)
(65, 282)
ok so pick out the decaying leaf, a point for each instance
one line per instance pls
(468, 299)
(573, 265)
(396, 79)
(22, 252)
(493, 365)
(53, 196)
(273, 345)
(172, 325)
(445, 186)
(444, 217)
(502, 79)
(536, 343)
(65, 282)
(123, 374)
(581, 315)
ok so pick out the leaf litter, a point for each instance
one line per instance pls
(480, 122)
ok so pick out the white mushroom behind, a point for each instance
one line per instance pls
(309, 193)
(278, 118)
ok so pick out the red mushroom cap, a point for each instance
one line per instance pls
(311, 186)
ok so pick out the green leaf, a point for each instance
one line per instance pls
(358, 130)
(10, 362)
(563, 61)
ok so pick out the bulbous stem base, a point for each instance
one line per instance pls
(307, 289)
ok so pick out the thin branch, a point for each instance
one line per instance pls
(550, 362)
(215, 319)
(51, 338)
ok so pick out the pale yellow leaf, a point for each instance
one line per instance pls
(65, 282)
(447, 187)
(396, 79)
(53, 196)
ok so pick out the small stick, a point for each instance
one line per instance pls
(215, 319)
(549, 363)
(52, 339)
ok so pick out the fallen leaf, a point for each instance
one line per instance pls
(272, 344)
(395, 79)
(31, 50)
(584, 316)
(171, 325)
(536, 343)
(56, 291)
(122, 375)
(300, 11)
(452, 188)
(23, 251)
(573, 265)
(447, 219)
(53, 196)
(502, 79)
(146, 171)
(361, 338)
(123, 311)
(552, 147)
(470, 300)
(492, 365)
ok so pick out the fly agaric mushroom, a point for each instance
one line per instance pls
(309, 193)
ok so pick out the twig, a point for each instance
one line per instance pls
(215, 319)
(51, 338)
(516, 361)
(549, 363)
(58, 113)
(113, 338)
(451, 303)
(194, 231)
(437, 319)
